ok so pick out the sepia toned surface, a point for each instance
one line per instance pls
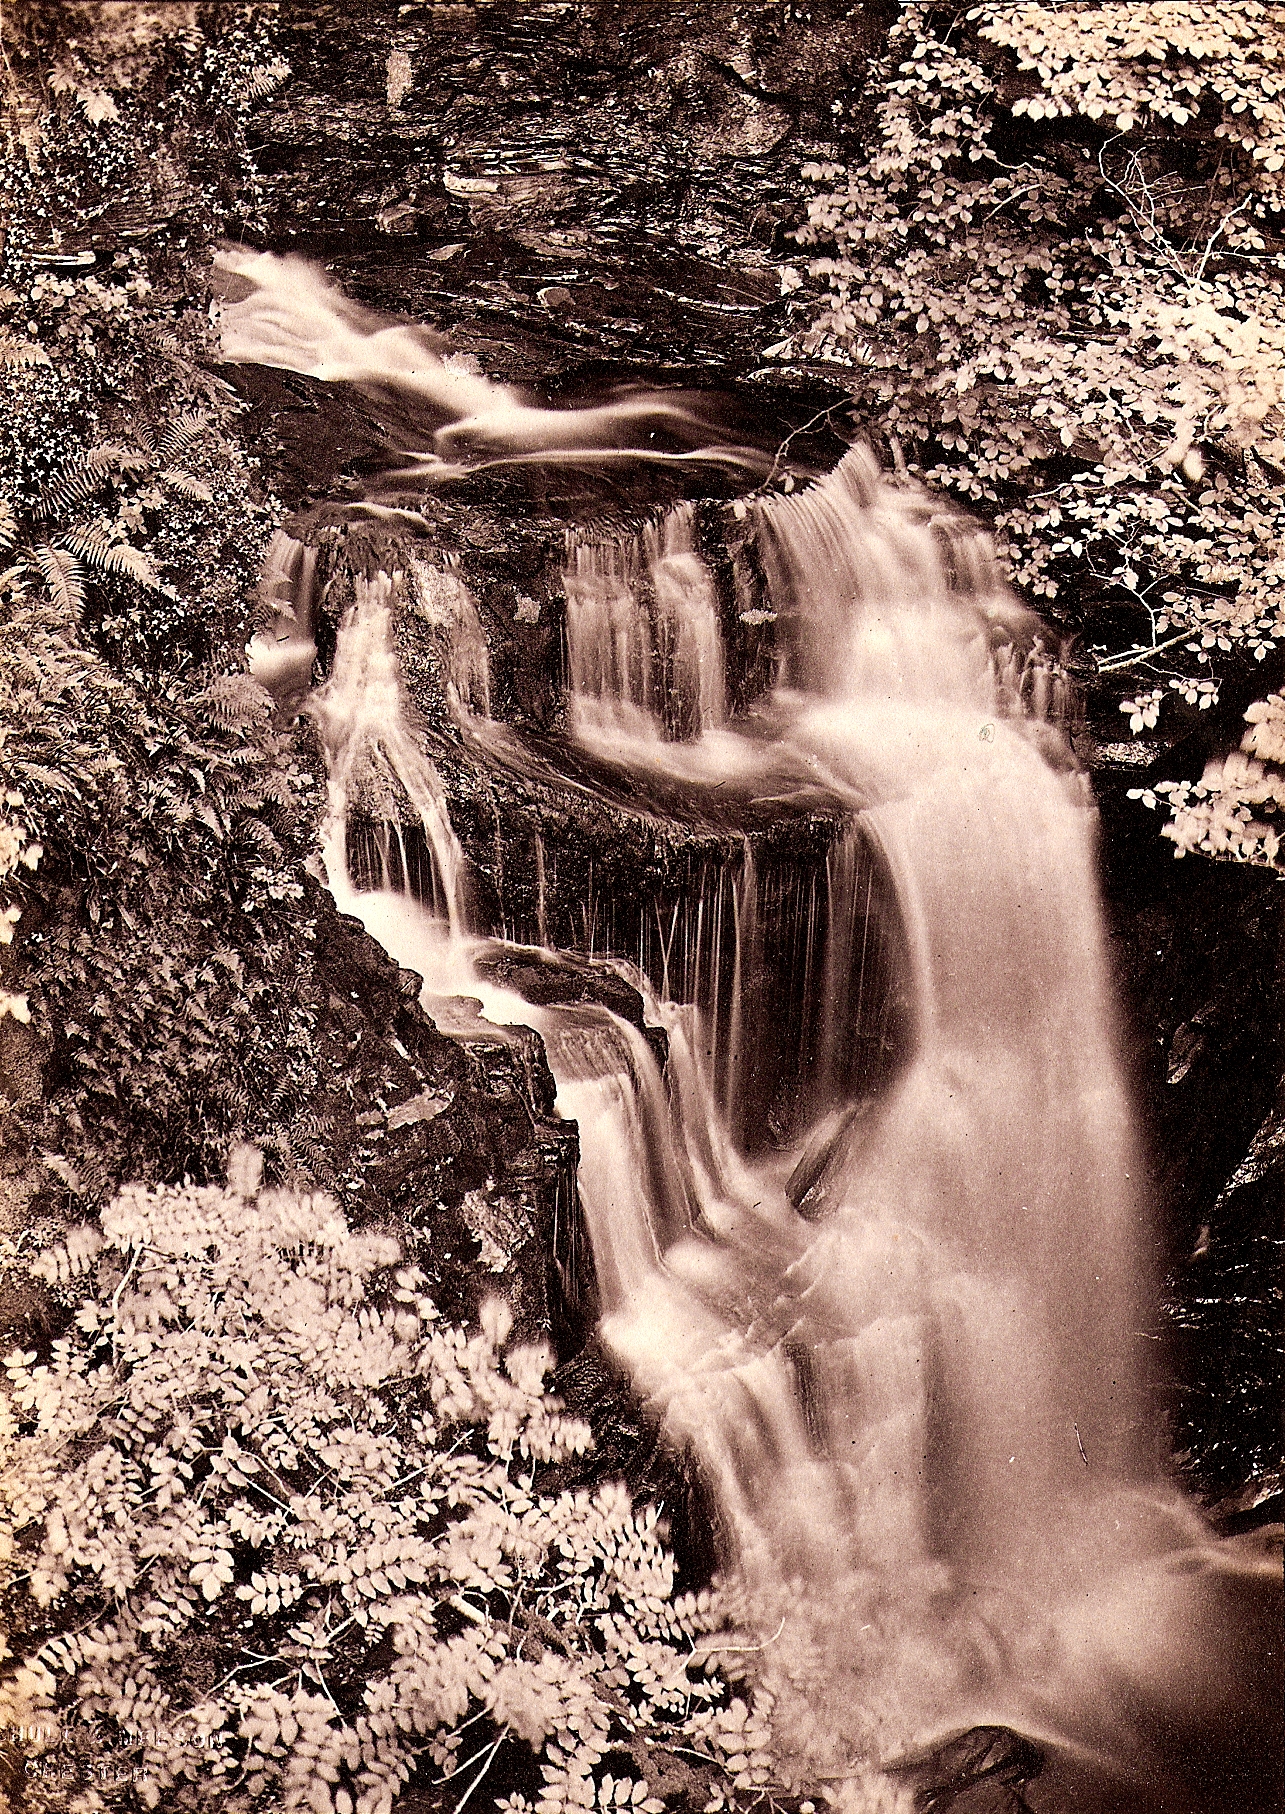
(633, 1179)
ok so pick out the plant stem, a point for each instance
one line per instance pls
(490, 1759)
(1115, 663)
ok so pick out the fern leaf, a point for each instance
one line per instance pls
(235, 699)
(121, 558)
(74, 1256)
(22, 352)
(90, 544)
(64, 1171)
(187, 486)
(68, 489)
(49, 778)
(112, 557)
(261, 81)
(181, 434)
(89, 474)
(64, 576)
(8, 526)
(109, 455)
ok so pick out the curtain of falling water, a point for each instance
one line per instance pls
(1007, 1149)
(644, 651)
(376, 760)
(283, 651)
(918, 1401)
(444, 604)
(902, 1340)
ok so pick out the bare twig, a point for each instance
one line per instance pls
(1115, 664)
(730, 1650)
(490, 1759)
(821, 416)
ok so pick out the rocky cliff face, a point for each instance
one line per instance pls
(560, 185)
(451, 1145)
(454, 1143)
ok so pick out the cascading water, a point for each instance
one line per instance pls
(377, 763)
(644, 653)
(445, 605)
(901, 1323)
(282, 653)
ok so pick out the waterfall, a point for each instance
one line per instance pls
(377, 763)
(644, 652)
(443, 602)
(872, 1246)
(281, 311)
(281, 653)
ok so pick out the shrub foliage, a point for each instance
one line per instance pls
(1056, 275)
(276, 1537)
(160, 941)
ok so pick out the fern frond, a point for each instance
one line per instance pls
(83, 477)
(68, 489)
(112, 557)
(51, 779)
(187, 486)
(64, 576)
(235, 699)
(121, 558)
(262, 81)
(111, 456)
(8, 526)
(21, 352)
(181, 434)
(71, 1258)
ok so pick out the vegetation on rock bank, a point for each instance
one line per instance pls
(1057, 275)
(285, 1536)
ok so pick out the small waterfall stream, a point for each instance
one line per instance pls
(897, 1311)
(376, 761)
(644, 652)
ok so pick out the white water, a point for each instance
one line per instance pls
(443, 603)
(963, 1456)
(375, 755)
(644, 653)
(281, 654)
(281, 311)
(919, 1397)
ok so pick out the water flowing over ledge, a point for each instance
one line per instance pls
(892, 1289)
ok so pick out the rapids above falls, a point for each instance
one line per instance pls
(870, 1243)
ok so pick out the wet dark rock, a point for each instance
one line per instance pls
(981, 1772)
(630, 1447)
(1225, 1305)
(476, 1189)
(1198, 948)
(477, 1176)
(548, 977)
(640, 159)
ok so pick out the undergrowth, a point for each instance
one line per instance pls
(157, 947)
(275, 1536)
